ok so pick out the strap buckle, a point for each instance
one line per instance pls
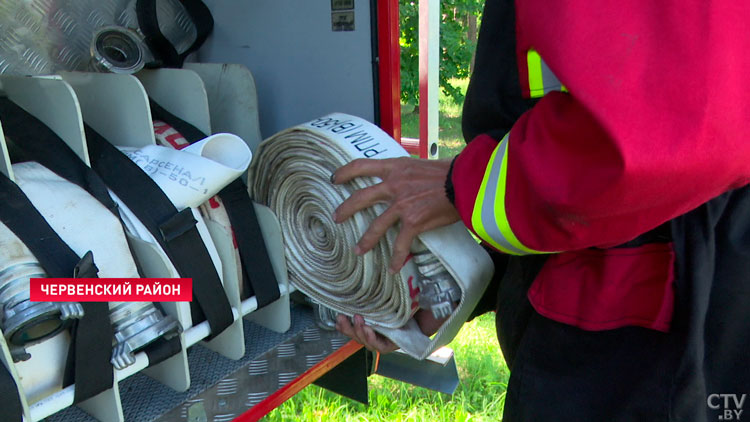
(177, 225)
(86, 268)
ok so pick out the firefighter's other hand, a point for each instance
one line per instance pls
(364, 334)
(377, 342)
(413, 188)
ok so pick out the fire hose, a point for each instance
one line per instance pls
(71, 207)
(136, 324)
(291, 173)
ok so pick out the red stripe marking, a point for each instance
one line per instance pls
(176, 140)
(413, 291)
(160, 127)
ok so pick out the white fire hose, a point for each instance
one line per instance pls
(188, 177)
(291, 173)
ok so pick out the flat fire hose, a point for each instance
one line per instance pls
(256, 271)
(291, 173)
(74, 199)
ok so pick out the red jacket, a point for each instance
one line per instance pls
(651, 127)
(641, 118)
(653, 124)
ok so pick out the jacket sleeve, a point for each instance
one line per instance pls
(560, 180)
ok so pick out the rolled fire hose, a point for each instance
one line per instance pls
(291, 174)
(86, 225)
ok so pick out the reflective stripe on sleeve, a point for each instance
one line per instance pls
(489, 218)
(541, 78)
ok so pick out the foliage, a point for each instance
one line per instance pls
(450, 137)
(457, 45)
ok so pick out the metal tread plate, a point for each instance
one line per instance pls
(222, 389)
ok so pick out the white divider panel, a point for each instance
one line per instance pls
(5, 166)
(232, 99)
(116, 106)
(274, 316)
(173, 372)
(42, 375)
(5, 357)
(224, 245)
(154, 265)
(105, 407)
(182, 93)
(7, 361)
(51, 100)
(233, 106)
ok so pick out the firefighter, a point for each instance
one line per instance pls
(607, 168)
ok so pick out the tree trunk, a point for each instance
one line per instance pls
(472, 33)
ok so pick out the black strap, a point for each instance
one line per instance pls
(30, 139)
(191, 133)
(160, 46)
(257, 273)
(174, 230)
(162, 349)
(261, 281)
(34, 141)
(90, 352)
(10, 404)
(25, 221)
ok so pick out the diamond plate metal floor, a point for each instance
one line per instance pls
(222, 389)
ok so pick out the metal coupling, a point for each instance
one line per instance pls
(23, 322)
(117, 50)
(325, 317)
(438, 290)
(136, 325)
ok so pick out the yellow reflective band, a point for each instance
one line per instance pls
(536, 82)
(476, 214)
(500, 215)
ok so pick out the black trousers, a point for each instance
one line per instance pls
(699, 371)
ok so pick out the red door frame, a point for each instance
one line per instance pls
(389, 74)
(389, 68)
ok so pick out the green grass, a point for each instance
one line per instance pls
(450, 139)
(479, 397)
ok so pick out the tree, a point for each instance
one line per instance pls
(457, 45)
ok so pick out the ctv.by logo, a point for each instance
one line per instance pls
(729, 404)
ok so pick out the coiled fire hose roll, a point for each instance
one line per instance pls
(291, 173)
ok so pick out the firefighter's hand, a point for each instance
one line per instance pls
(413, 188)
(364, 334)
(377, 342)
